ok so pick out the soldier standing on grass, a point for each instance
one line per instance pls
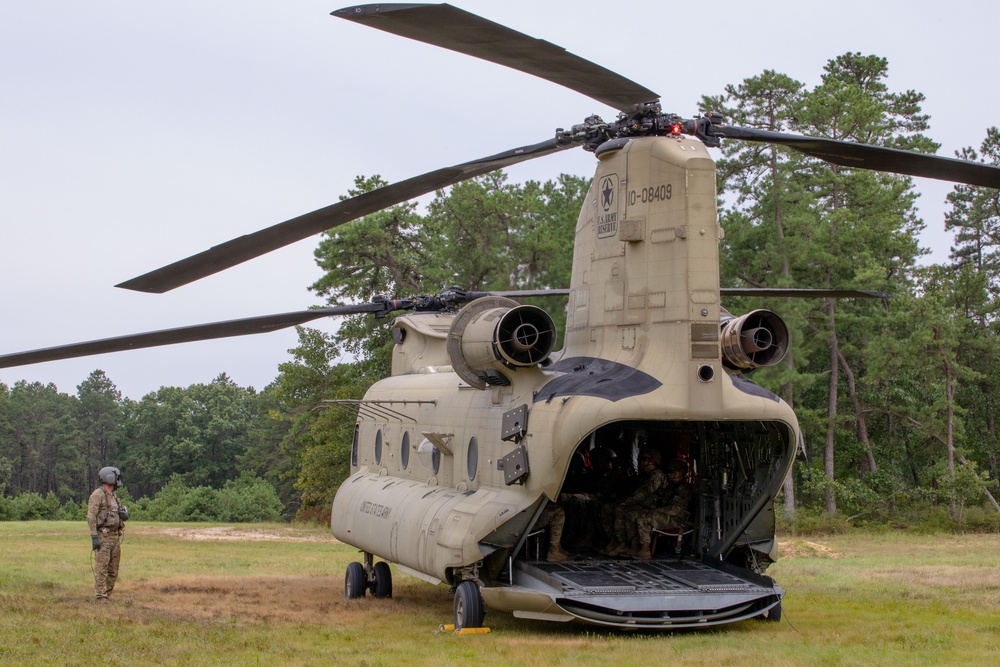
(106, 518)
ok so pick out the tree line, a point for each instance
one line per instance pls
(897, 402)
(185, 451)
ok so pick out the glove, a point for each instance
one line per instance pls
(95, 541)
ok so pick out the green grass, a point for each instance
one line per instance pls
(855, 599)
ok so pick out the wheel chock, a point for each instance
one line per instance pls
(450, 627)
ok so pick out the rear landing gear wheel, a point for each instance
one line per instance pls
(355, 581)
(774, 613)
(382, 586)
(468, 606)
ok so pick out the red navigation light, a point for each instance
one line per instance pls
(676, 129)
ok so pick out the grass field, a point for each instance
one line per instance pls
(195, 594)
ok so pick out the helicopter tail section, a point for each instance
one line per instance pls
(707, 571)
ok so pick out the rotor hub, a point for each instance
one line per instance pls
(646, 120)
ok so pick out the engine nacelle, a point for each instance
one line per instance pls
(493, 334)
(759, 338)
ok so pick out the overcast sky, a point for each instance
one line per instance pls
(135, 133)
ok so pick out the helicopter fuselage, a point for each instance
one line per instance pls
(458, 452)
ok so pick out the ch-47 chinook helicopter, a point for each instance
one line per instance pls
(478, 429)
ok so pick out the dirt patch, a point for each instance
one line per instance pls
(235, 534)
(803, 549)
(309, 600)
(279, 598)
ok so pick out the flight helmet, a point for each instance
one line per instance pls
(111, 475)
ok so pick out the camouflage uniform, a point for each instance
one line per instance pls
(642, 500)
(673, 513)
(102, 517)
(553, 517)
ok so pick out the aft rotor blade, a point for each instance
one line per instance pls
(783, 292)
(513, 294)
(878, 158)
(239, 250)
(226, 329)
(458, 30)
(803, 293)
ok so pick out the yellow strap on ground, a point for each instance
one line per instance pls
(450, 627)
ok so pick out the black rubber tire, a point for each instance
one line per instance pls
(355, 581)
(382, 586)
(774, 613)
(468, 606)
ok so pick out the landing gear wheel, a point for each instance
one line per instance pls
(355, 581)
(468, 606)
(382, 586)
(774, 613)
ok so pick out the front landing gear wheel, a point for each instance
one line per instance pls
(382, 586)
(355, 581)
(468, 606)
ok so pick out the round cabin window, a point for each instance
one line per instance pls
(472, 458)
(354, 448)
(404, 450)
(378, 447)
(430, 455)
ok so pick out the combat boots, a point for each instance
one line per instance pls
(556, 553)
(624, 549)
(642, 552)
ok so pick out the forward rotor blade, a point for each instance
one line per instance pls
(227, 329)
(878, 158)
(268, 323)
(457, 30)
(239, 250)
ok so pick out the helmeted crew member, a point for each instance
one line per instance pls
(106, 518)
